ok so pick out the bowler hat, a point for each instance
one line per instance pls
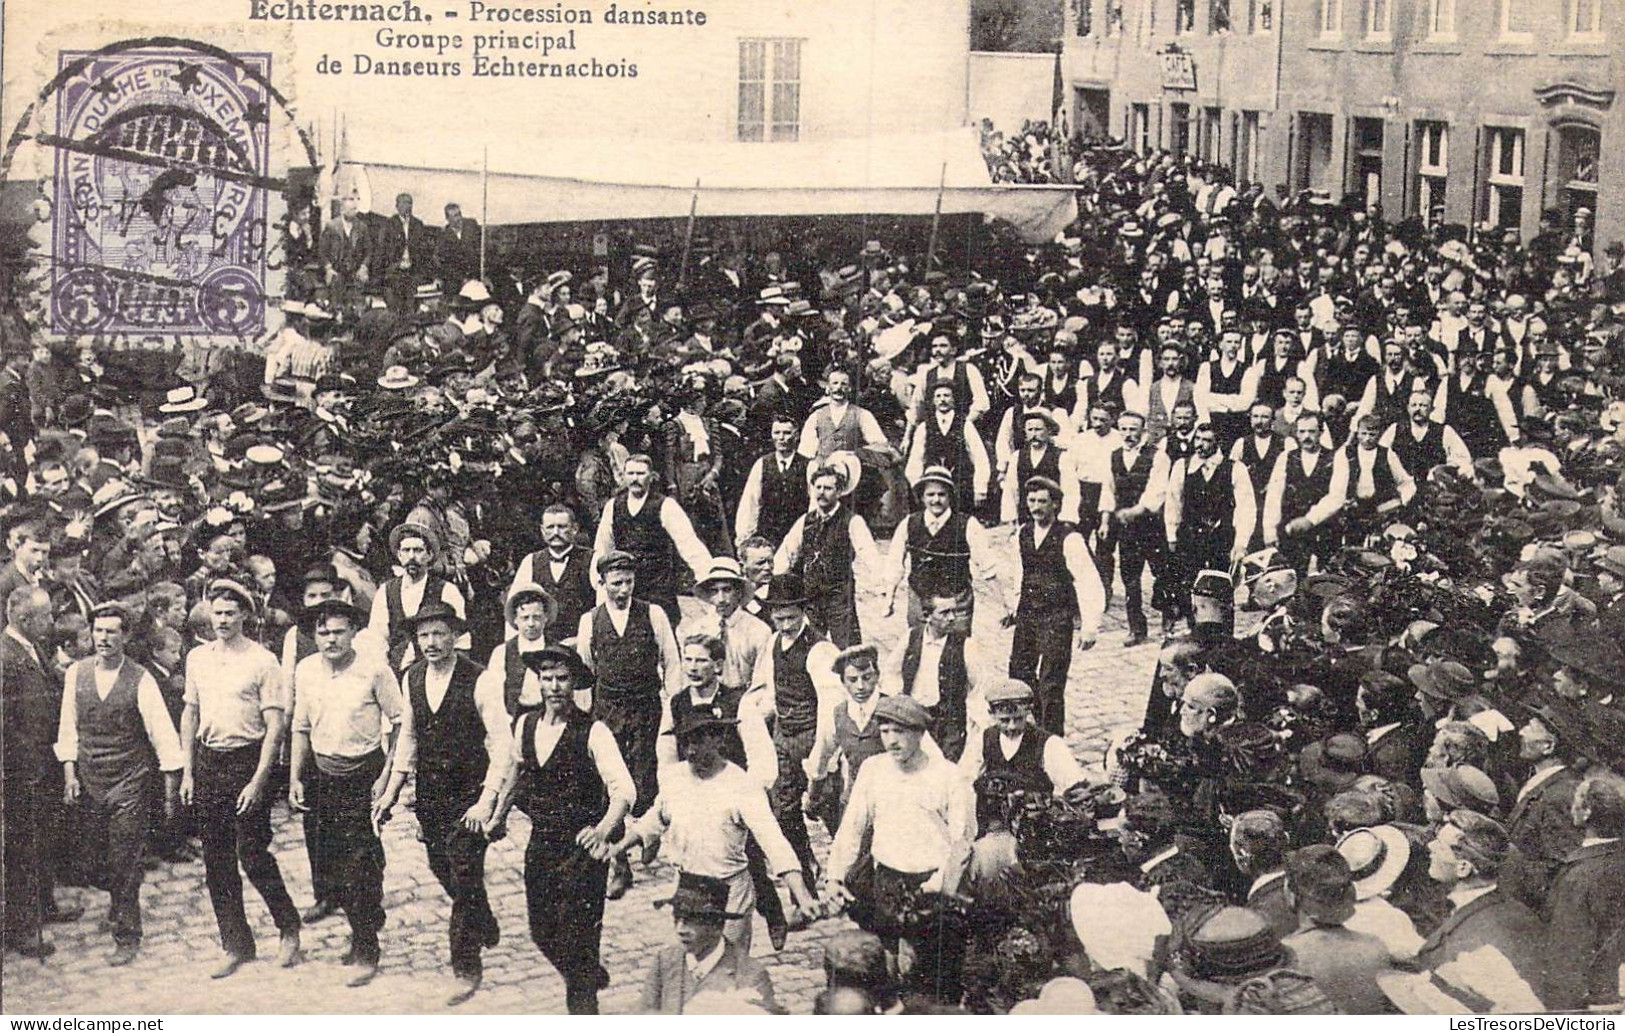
(434, 611)
(537, 659)
(700, 897)
(785, 590)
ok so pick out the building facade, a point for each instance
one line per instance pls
(1478, 112)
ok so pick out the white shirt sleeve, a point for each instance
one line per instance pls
(689, 546)
(1086, 580)
(671, 656)
(67, 725)
(1246, 512)
(1063, 769)
(915, 465)
(750, 503)
(790, 549)
(606, 757)
(981, 470)
(1456, 454)
(1337, 492)
(1174, 504)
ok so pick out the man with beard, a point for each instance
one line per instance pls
(652, 528)
(1037, 455)
(113, 724)
(562, 568)
(1388, 391)
(1256, 452)
(936, 549)
(943, 438)
(415, 547)
(1476, 405)
(1130, 501)
(1158, 399)
(946, 367)
(1209, 514)
(1293, 501)
(918, 815)
(825, 546)
(776, 488)
(447, 708)
(840, 425)
(629, 646)
(344, 725)
(1056, 591)
(1420, 444)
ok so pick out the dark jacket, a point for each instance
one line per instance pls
(1496, 920)
(1270, 901)
(30, 706)
(1585, 940)
(1543, 833)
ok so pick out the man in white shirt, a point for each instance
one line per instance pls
(113, 723)
(1295, 500)
(1226, 387)
(945, 438)
(826, 546)
(747, 637)
(936, 550)
(1012, 748)
(416, 548)
(918, 815)
(344, 726)
(1130, 504)
(529, 611)
(655, 530)
(945, 367)
(446, 706)
(775, 489)
(1368, 483)
(1208, 514)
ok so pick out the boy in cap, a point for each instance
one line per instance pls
(919, 817)
(1012, 747)
(529, 610)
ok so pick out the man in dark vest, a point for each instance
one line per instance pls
(1388, 389)
(1130, 510)
(1209, 514)
(1344, 373)
(1227, 387)
(632, 651)
(825, 546)
(563, 568)
(448, 708)
(1420, 444)
(946, 367)
(1037, 456)
(114, 726)
(1368, 483)
(939, 667)
(944, 437)
(1013, 754)
(936, 549)
(798, 673)
(1058, 590)
(1158, 398)
(651, 527)
(775, 491)
(416, 548)
(1110, 385)
(1296, 501)
(529, 610)
(321, 583)
(1257, 452)
(1476, 405)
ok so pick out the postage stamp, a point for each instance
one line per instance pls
(162, 192)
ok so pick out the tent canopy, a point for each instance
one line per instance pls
(579, 180)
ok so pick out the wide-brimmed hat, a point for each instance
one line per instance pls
(1446, 680)
(700, 897)
(434, 611)
(935, 475)
(1335, 763)
(397, 378)
(412, 529)
(1223, 947)
(1463, 786)
(848, 463)
(1041, 413)
(723, 568)
(529, 592)
(1377, 856)
(183, 399)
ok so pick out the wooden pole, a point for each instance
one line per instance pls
(485, 204)
(688, 237)
(936, 219)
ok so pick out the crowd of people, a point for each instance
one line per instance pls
(591, 542)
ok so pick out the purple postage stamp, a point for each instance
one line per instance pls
(162, 193)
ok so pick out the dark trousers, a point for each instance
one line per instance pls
(564, 899)
(457, 858)
(888, 903)
(117, 811)
(785, 797)
(27, 880)
(230, 839)
(322, 883)
(634, 719)
(355, 856)
(1196, 552)
(1298, 549)
(1041, 656)
(1135, 549)
(834, 611)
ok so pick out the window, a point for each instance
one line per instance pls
(1313, 155)
(1179, 128)
(1260, 15)
(1432, 170)
(1184, 16)
(1577, 151)
(1218, 16)
(1587, 18)
(1248, 147)
(1139, 129)
(1365, 169)
(1441, 19)
(1086, 17)
(1331, 17)
(1379, 18)
(1114, 17)
(1504, 207)
(1515, 21)
(1212, 134)
(769, 89)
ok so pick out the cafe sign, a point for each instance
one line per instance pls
(1178, 70)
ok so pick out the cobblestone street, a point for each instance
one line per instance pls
(1105, 693)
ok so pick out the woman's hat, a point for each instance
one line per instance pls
(411, 529)
(699, 897)
(1377, 856)
(530, 592)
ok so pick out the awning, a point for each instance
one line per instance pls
(579, 180)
